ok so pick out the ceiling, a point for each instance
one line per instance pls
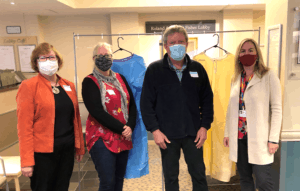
(54, 7)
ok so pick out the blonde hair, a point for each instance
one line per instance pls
(259, 68)
(101, 44)
(173, 29)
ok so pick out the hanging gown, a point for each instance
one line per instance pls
(133, 69)
(216, 155)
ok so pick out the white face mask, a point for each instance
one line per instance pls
(48, 67)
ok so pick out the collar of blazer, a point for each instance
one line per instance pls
(44, 80)
(62, 82)
(256, 79)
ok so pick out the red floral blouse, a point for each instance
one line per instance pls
(94, 130)
(242, 120)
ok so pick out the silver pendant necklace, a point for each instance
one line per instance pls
(55, 90)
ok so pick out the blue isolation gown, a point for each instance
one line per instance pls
(133, 69)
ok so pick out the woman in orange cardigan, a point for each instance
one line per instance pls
(49, 126)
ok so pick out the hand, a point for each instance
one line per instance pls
(27, 171)
(128, 138)
(127, 132)
(201, 137)
(160, 139)
(272, 147)
(226, 141)
(78, 157)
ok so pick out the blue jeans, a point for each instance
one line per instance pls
(111, 167)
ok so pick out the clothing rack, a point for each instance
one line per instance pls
(161, 44)
(149, 34)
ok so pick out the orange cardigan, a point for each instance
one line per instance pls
(36, 114)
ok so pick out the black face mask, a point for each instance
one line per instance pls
(103, 62)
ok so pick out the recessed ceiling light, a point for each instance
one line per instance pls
(12, 3)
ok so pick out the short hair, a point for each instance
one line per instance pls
(100, 44)
(173, 29)
(41, 49)
(259, 67)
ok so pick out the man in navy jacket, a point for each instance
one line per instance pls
(177, 107)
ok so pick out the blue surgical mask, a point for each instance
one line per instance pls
(177, 52)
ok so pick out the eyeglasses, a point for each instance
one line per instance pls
(44, 58)
(107, 56)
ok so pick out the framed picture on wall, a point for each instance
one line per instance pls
(274, 48)
(193, 44)
(299, 43)
(25, 52)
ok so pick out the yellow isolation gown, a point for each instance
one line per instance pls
(216, 156)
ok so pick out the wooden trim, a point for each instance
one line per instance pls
(290, 135)
(9, 88)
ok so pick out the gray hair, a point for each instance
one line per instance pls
(100, 44)
(173, 29)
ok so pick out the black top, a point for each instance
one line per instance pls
(92, 100)
(172, 106)
(64, 115)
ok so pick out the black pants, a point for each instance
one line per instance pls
(262, 173)
(193, 158)
(53, 171)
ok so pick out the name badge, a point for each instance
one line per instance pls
(194, 74)
(111, 92)
(242, 113)
(67, 88)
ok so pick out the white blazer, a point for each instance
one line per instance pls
(264, 117)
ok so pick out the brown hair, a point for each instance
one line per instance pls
(173, 29)
(259, 68)
(44, 48)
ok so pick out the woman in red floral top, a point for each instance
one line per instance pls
(112, 117)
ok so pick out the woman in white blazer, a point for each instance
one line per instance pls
(254, 116)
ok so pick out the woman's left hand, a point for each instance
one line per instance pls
(78, 157)
(127, 132)
(273, 147)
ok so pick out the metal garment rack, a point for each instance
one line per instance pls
(148, 34)
(161, 44)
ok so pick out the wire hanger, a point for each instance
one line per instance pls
(216, 46)
(120, 47)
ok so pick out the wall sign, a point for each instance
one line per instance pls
(13, 30)
(199, 26)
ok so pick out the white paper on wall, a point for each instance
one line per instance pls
(24, 56)
(7, 58)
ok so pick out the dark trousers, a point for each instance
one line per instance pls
(111, 167)
(53, 171)
(193, 158)
(262, 173)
